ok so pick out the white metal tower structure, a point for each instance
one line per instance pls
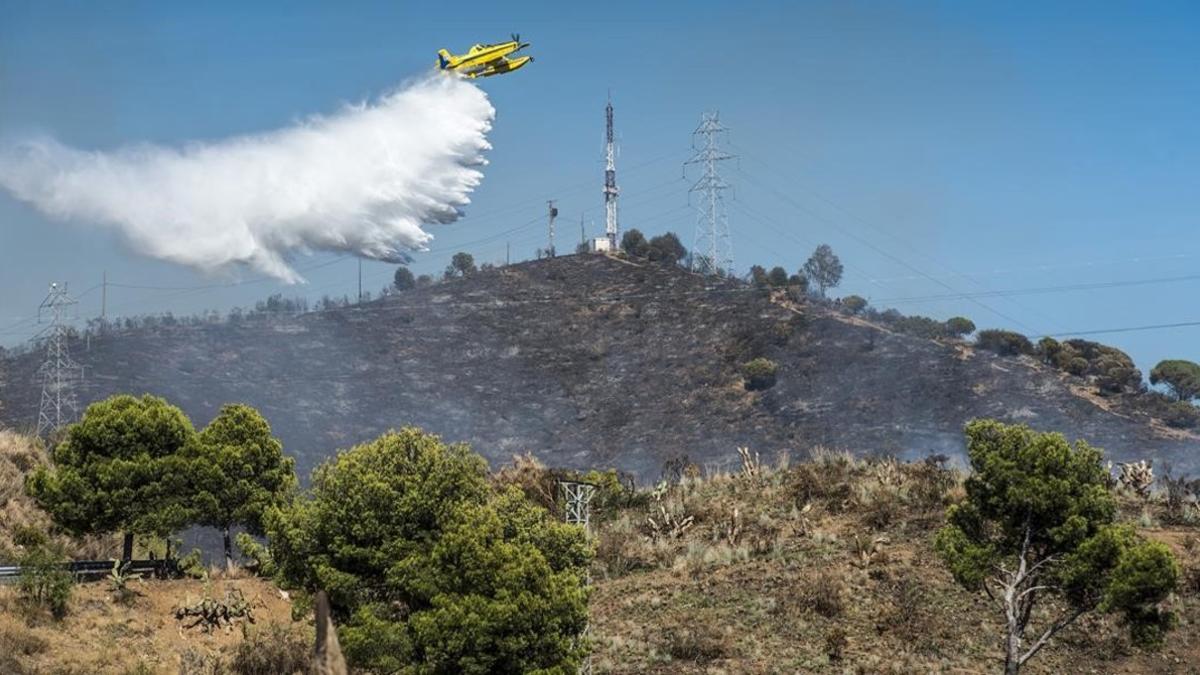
(610, 180)
(59, 373)
(712, 246)
(577, 510)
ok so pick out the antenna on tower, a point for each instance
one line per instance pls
(551, 213)
(610, 179)
(712, 247)
(58, 373)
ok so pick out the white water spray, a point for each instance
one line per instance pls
(363, 180)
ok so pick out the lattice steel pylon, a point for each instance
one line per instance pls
(712, 246)
(577, 510)
(577, 503)
(59, 373)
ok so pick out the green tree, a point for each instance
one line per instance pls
(667, 248)
(1181, 377)
(1049, 349)
(1037, 524)
(959, 326)
(854, 303)
(119, 469)
(777, 277)
(430, 568)
(634, 243)
(758, 276)
(462, 264)
(239, 471)
(403, 279)
(824, 269)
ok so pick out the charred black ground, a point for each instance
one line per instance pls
(593, 361)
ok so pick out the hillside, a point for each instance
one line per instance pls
(828, 566)
(822, 566)
(595, 361)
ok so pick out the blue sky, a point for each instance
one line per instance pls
(940, 147)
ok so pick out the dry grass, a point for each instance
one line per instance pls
(99, 635)
(20, 455)
(845, 581)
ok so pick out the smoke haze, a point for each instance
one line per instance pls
(363, 180)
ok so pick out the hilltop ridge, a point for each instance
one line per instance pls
(593, 360)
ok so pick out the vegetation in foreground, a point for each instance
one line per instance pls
(830, 565)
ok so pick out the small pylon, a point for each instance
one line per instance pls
(59, 374)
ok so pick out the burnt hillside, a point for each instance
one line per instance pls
(590, 361)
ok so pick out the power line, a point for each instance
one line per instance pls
(1045, 289)
(899, 240)
(885, 253)
(1127, 329)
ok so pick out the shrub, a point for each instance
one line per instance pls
(45, 584)
(836, 642)
(777, 277)
(920, 326)
(1077, 366)
(759, 374)
(698, 641)
(959, 326)
(931, 481)
(259, 555)
(666, 248)
(1112, 369)
(854, 303)
(890, 316)
(634, 243)
(824, 595)
(619, 549)
(758, 276)
(1003, 342)
(272, 650)
(1182, 415)
(1048, 349)
(905, 617)
(881, 506)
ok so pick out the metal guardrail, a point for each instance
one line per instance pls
(87, 570)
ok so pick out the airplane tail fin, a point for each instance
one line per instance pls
(443, 59)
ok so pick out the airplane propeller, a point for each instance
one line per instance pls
(516, 37)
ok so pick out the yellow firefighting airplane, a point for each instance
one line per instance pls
(485, 60)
